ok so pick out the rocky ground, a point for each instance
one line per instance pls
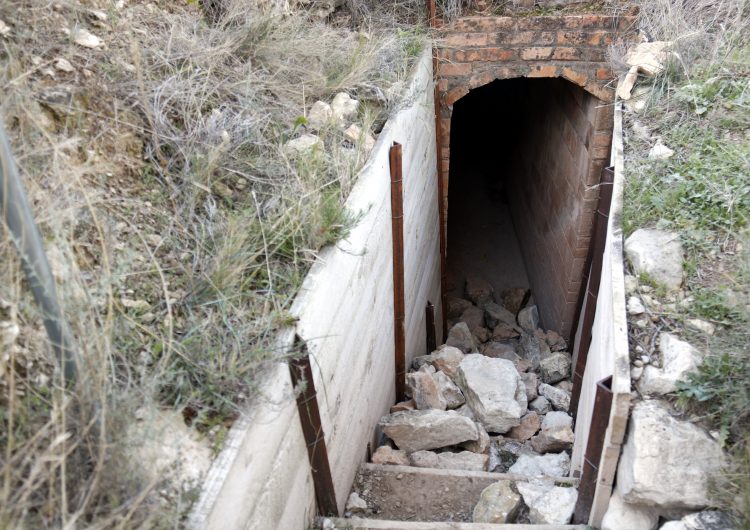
(494, 398)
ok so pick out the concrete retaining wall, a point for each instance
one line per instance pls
(345, 317)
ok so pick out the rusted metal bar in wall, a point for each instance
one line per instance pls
(594, 448)
(590, 283)
(431, 342)
(432, 10)
(397, 226)
(312, 429)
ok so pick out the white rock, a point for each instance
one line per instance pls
(385, 455)
(305, 144)
(498, 504)
(540, 405)
(448, 390)
(482, 444)
(671, 525)
(624, 516)
(707, 520)
(460, 337)
(631, 284)
(648, 57)
(4, 28)
(678, 359)
(550, 465)
(701, 325)
(556, 433)
(555, 367)
(355, 503)
(447, 359)
(357, 136)
(635, 306)
(528, 318)
(465, 460)
(425, 390)
(85, 38)
(657, 253)
(559, 398)
(666, 462)
(320, 115)
(344, 107)
(660, 151)
(548, 504)
(494, 391)
(415, 430)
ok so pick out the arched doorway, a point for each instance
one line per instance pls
(525, 158)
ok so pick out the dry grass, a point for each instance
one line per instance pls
(178, 228)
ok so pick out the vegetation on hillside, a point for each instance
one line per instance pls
(150, 137)
(699, 106)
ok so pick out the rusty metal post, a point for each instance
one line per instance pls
(432, 12)
(397, 225)
(591, 280)
(312, 429)
(431, 341)
(594, 448)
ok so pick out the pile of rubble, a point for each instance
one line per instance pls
(494, 397)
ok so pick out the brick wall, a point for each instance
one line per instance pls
(574, 128)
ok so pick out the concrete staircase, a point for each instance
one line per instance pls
(411, 498)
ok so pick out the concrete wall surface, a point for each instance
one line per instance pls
(344, 309)
(608, 355)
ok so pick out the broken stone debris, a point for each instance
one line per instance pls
(385, 454)
(550, 465)
(416, 430)
(657, 254)
(498, 503)
(460, 337)
(548, 504)
(679, 359)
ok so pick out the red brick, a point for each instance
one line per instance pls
(605, 94)
(454, 69)
(604, 74)
(486, 24)
(601, 140)
(566, 54)
(589, 21)
(548, 70)
(573, 76)
(465, 39)
(516, 37)
(485, 54)
(442, 84)
(572, 37)
(454, 95)
(540, 23)
(481, 79)
(536, 53)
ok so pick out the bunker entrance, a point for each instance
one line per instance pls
(525, 158)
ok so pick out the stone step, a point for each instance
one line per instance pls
(430, 495)
(356, 523)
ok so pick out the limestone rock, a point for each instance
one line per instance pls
(416, 430)
(465, 410)
(480, 335)
(555, 341)
(556, 434)
(528, 318)
(559, 398)
(460, 337)
(320, 115)
(548, 504)
(528, 427)
(495, 314)
(482, 444)
(448, 391)
(63, 65)
(500, 350)
(513, 298)
(456, 306)
(425, 391)
(304, 145)
(446, 359)
(533, 349)
(473, 317)
(657, 253)
(403, 405)
(508, 451)
(424, 459)
(494, 391)
(666, 462)
(708, 520)
(660, 151)
(504, 331)
(555, 367)
(344, 107)
(478, 290)
(531, 382)
(625, 516)
(540, 405)
(357, 136)
(465, 460)
(498, 504)
(550, 465)
(85, 38)
(678, 359)
(387, 455)
(355, 503)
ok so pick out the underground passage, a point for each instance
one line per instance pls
(525, 158)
